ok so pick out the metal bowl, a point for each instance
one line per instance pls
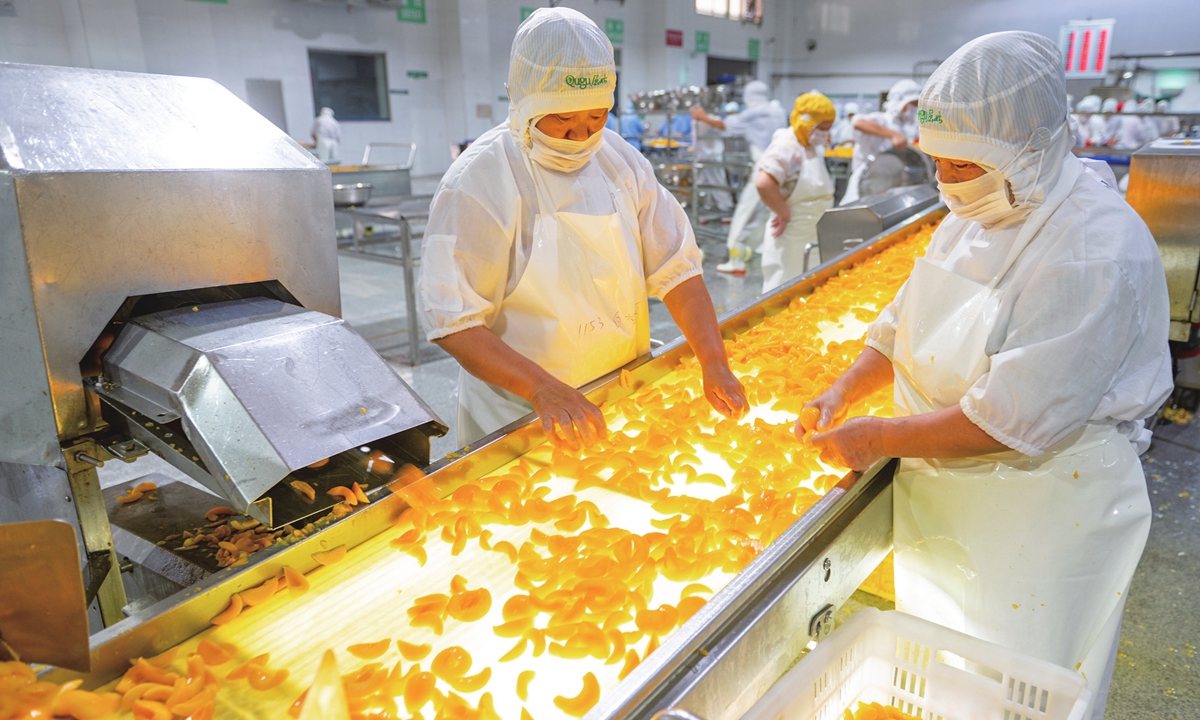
(348, 195)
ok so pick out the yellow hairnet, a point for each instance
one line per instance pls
(811, 109)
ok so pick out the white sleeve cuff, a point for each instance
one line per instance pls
(999, 436)
(466, 324)
(885, 350)
(667, 287)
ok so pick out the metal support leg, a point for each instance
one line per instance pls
(93, 524)
(410, 293)
(358, 235)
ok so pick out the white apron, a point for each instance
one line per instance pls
(579, 310)
(328, 150)
(1035, 554)
(810, 197)
(750, 215)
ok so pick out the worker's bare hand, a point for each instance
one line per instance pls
(779, 222)
(831, 406)
(725, 392)
(854, 444)
(698, 113)
(899, 141)
(569, 419)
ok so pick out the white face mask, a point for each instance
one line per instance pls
(818, 137)
(984, 199)
(908, 115)
(563, 155)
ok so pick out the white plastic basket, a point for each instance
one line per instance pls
(923, 669)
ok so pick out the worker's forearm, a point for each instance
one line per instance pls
(869, 372)
(871, 127)
(769, 192)
(716, 122)
(483, 354)
(942, 434)
(691, 306)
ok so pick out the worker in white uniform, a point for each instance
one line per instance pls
(1112, 122)
(757, 123)
(876, 133)
(793, 182)
(1168, 125)
(843, 130)
(1130, 130)
(327, 134)
(1091, 125)
(545, 240)
(1026, 348)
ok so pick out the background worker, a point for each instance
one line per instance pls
(1027, 348)
(876, 133)
(794, 183)
(757, 123)
(545, 239)
(327, 134)
(843, 130)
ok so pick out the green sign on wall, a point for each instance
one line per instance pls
(615, 30)
(412, 11)
(752, 50)
(526, 12)
(702, 39)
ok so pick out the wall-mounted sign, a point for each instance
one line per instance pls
(1085, 45)
(417, 74)
(411, 11)
(752, 49)
(615, 30)
(702, 40)
(674, 38)
(526, 12)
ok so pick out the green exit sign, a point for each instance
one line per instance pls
(615, 30)
(412, 11)
(526, 12)
(702, 40)
(752, 50)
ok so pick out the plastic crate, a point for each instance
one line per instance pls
(924, 669)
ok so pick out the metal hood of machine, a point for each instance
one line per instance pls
(121, 185)
(262, 388)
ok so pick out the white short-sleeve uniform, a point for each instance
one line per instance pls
(481, 239)
(805, 182)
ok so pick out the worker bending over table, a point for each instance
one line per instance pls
(545, 239)
(1026, 348)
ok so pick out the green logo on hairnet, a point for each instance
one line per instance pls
(582, 82)
(929, 116)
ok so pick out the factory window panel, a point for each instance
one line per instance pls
(353, 84)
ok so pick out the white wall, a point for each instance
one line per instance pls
(881, 40)
(464, 47)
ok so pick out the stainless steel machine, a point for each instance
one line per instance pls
(169, 283)
(1164, 188)
(842, 228)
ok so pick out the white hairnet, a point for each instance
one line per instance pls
(901, 94)
(1001, 101)
(730, 107)
(327, 111)
(756, 93)
(1129, 108)
(560, 63)
(1089, 104)
(1163, 106)
(1110, 105)
(1145, 106)
(850, 108)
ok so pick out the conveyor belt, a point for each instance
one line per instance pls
(364, 598)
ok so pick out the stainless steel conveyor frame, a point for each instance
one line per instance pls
(722, 660)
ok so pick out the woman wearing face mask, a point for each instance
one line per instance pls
(793, 182)
(545, 239)
(876, 133)
(1026, 349)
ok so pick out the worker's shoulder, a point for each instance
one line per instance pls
(1097, 225)
(620, 150)
(486, 156)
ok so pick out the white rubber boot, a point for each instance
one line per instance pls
(737, 260)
